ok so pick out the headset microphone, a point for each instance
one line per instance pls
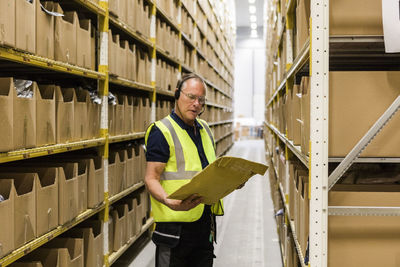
(203, 109)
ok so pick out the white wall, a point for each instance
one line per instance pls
(249, 79)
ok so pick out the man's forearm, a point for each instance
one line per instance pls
(156, 190)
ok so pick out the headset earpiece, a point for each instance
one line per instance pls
(177, 93)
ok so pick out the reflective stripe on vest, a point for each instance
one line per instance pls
(181, 174)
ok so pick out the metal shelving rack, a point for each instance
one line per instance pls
(317, 54)
(29, 61)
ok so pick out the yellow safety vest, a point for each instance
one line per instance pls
(183, 163)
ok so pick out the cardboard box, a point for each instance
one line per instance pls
(95, 181)
(93, 51)
(24, 119)
(112, 172)
(305, 114)
(119, 114)
(355, 17)
(93, 119)
(82, 185)
(6, 113)
(113, 44)
(24, 195)
(130, 166)
(110, 234)
(136, 114)
(130, 218)
(131, 13)
(7, 22)
(119, 215)
(120, 181)
(46, 197)
(83, 45)
(296, 115)
(359, 240)
(137, 163)
(92, 234)
(141, 66)
(122, 63)
(7, 241)
(81, 103)
(304, 215)
(302, 23)
(372, 92)
(25, 30)
(44, 30)
(68, 196)
(65, 34)
(46, 115)
(60, 252)
(113, 7)
(65, 99)
(130, 61)
(112, 119)
(128, 114)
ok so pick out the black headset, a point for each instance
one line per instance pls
(184, 78)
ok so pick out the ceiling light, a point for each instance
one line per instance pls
(253, 26)
(253, 18)
(252, 1)
(254, 32)
(252, 9)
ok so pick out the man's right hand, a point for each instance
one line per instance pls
(184, 205)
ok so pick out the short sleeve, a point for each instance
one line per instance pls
(157, 149)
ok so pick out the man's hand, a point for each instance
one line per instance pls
(184, 205)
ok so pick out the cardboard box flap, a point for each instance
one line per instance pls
(73, 245)
(65, 95)
(46, 91)
(5, 85)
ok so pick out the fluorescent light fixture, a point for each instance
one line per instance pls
(253, 18)
(253, 26)
(252, 9)
(252, 1)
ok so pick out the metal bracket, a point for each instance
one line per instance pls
(363, 143)
(363, 211)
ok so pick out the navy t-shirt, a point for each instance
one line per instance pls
(157, 146)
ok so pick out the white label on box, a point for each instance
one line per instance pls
(391, 25)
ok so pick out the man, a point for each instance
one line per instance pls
(179, 146)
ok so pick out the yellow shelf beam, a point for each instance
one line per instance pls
(49, 150)
(92, 6)
(49, 64)
(131, 84)
(131, 32)
(27, 248)
(126, 137)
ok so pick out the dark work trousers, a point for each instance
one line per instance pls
(193, 247)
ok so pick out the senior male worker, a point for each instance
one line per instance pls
(179, 146)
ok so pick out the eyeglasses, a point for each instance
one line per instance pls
(192, 97)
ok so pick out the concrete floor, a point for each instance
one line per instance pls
(247, 234)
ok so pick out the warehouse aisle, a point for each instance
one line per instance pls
(247, 233)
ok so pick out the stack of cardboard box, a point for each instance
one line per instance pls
(47, 117)
(134, 13)
(374, 91)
